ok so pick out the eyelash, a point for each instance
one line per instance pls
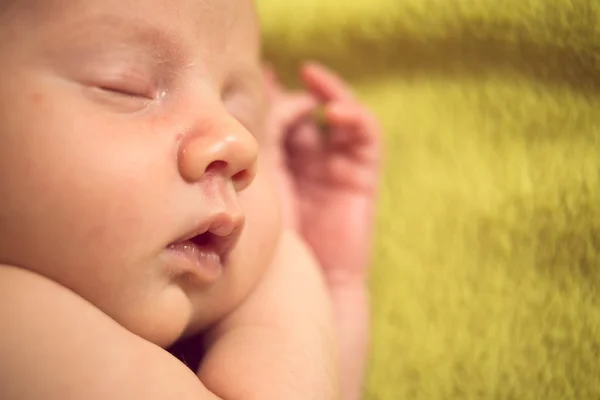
(128, 83)
(126, 95)
(122, 89)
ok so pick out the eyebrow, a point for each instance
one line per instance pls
(162, 41)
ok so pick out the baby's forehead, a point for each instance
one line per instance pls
(34, 9)
(217, 27)
(209, 16)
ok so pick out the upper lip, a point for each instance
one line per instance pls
(218, 233)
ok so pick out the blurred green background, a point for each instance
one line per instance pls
(485, 277)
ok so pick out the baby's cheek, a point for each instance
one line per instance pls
(263, 226)
(264, 205)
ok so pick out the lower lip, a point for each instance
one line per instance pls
(189, 258)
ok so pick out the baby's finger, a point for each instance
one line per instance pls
(293, 109)
(305, 150)
(354, 121)
(325, 84)
(345, 171)
(304, 139)
(287, 113)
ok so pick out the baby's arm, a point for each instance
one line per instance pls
(55, 345)
(280, 344)
(328, 173)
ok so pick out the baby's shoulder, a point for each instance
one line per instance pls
(29, 300)
(54, 344)
(41, 319)
(19, 286)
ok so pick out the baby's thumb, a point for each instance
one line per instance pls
(290, 111)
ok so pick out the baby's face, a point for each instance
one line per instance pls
(127, 129)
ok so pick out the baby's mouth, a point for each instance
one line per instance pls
(207, 244)
(203, 252)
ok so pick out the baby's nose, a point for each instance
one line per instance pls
(226, 147)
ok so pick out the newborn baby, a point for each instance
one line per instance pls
(144, 159)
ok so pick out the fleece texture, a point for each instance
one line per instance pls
(485, 277)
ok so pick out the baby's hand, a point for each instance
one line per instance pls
(328, 171)
(329, 148)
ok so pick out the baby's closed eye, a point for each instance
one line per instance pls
(115, 68)
(125, 81)
(120, 78)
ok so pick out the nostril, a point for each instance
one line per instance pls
(241, 176)
(221, 167)
(216, 166)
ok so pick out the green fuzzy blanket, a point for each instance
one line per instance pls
(485, 279)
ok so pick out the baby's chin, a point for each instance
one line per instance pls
(162, 321)
(179, 311)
